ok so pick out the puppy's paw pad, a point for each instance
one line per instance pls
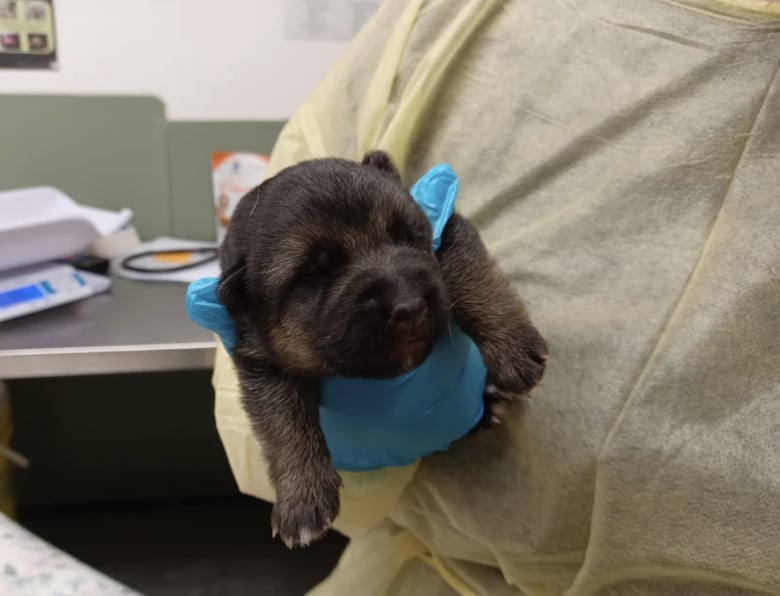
(498, 396)
(517, 368)
(537, 350)
(302, 515)
(496, 404)
(299, 525)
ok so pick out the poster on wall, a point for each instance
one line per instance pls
(327, 20)
(27, 34)
(233, 174)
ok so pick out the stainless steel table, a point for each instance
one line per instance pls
(136, 327)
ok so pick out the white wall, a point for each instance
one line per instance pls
(206, 59)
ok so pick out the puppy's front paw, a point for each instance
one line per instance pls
(516, 364)
(496, 402)
(305, 509)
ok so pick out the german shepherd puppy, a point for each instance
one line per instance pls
(329, 269)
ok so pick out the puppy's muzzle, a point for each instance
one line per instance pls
(408, 316)
(399, 298)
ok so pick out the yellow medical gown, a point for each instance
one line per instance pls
(622, 160)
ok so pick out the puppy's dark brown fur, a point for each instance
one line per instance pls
(328, 268)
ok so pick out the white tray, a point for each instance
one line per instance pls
(42, 223)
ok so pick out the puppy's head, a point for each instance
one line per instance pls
(329, 267)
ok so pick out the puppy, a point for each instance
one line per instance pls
(329, 269)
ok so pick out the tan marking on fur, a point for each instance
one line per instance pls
(293, 345)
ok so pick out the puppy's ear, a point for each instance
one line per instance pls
(381, 161)
(232, 289)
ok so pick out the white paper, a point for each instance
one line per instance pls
(106, 222)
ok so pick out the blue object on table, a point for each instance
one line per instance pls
(370, 424)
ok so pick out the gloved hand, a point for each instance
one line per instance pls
(370, 424)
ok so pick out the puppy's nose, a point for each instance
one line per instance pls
(407, 315)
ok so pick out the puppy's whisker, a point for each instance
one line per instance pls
(257, 200)
(449, 330)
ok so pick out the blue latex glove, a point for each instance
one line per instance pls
(371, 424)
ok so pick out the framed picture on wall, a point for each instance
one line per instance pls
(27, 34)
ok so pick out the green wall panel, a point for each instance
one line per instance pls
(102, 151)
(190, 146)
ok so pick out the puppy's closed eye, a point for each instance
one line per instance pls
(323, 260)
(405, 232)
